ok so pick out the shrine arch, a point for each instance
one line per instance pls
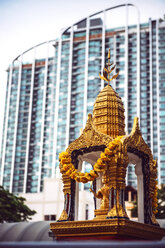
(137, 162)
(89, 155)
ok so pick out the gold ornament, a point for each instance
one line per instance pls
(106, 129)
(107, 71)
(100, 166)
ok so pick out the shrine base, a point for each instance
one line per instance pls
(108, 229)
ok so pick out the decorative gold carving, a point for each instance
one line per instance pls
(108, 69)
(116, 167)
(122, 212)
(66, 182)
(117, 211)
(107, 128)
(89, 137)
(66, 189)
(108, 113)
(103, 194)
(100, 214)
(135, 140)
(102, 227)
(63, 215)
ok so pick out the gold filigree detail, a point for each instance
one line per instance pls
(103, 194)
(122, 212)
(135, 140)
(108, 69)
(100, 214)
(111, 155)
(96, 138)
(102, 227)
(108, 113)
(63, 215)
(67, 184)
(107, 128)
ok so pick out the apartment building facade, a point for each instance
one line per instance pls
(49, 96)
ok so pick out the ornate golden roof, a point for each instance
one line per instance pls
(108, 113)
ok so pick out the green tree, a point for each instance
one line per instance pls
(13, 208)
(161, 203)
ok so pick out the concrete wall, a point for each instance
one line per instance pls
(51, 201)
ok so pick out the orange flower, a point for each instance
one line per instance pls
(89, 177)
(74, 174)
(66, 160)
(69, 172)
(78, 179)
(103, 157)
(66, 167)
(63, 155)
(108, 152)
(112, 146)
(93, 173)
(83, 179)
(100, 162)
(155, 211)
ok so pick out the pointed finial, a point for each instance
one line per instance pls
(109, 56)
(107, 70)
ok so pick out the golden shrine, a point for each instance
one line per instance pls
(104, 143)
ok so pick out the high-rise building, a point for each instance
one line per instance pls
(48, 97)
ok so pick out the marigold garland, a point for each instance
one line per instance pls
(155, 199)
(110, 154)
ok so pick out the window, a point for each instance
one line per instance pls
(50, 217)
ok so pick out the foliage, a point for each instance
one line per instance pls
(13, 208)
(161, 203)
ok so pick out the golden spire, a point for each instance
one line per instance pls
(108, 111)
(108, 69)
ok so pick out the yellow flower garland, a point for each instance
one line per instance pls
(155, 199)
(109, 154)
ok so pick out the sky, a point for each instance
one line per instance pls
(26, 23)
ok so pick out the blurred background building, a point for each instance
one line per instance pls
(52, 87)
